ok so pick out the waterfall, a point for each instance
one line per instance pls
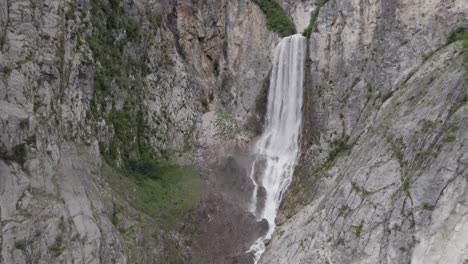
(278, 147)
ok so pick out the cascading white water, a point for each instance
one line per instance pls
(278, 146)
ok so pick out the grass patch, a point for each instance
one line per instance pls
(344, 210)
(358, 230)
(396, 228)
(276, 18)
(21, 244)
(460, 33)
(359, 189)
(41, 195)
(405, 185)
(397, 147)
(167, 198)
(57, 248)
(341, 147)
(427, 125)
(451, 136)
(459, 102)
(340, 241)
(313, 18)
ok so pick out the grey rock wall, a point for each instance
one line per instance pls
(382, 180)
(54, 205)
(65, 116)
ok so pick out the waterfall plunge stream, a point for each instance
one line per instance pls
(278, 147)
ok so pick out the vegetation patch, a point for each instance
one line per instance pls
(168, 193)
(57, 248)
(427, 125)
(344, 210)
(405, 185)
(41, 195)
(21, 244)
(313, 18)
(18, 154)
(120, 74)
(459, 102)
(460, 33)
(226, 125)
(397, 147)
(396, 228)
(276, 18)
(340, 241)
(340, 147)
(358, 230)
(427, 206)
(359, 189)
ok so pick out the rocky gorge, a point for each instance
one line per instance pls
(127, 128)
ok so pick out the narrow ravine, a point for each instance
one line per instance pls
(277, 149)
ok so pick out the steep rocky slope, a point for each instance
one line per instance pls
(81, 81)
(125, 129)
(100, 100)
(383, 174)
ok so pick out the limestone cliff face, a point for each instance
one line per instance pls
(383, 173)
(97, 95)
(229, 47)
(91, 89)
(62, 108)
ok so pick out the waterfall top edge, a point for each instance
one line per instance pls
(298, 35)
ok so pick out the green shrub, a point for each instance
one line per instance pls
(313, 18)
(276, 18)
